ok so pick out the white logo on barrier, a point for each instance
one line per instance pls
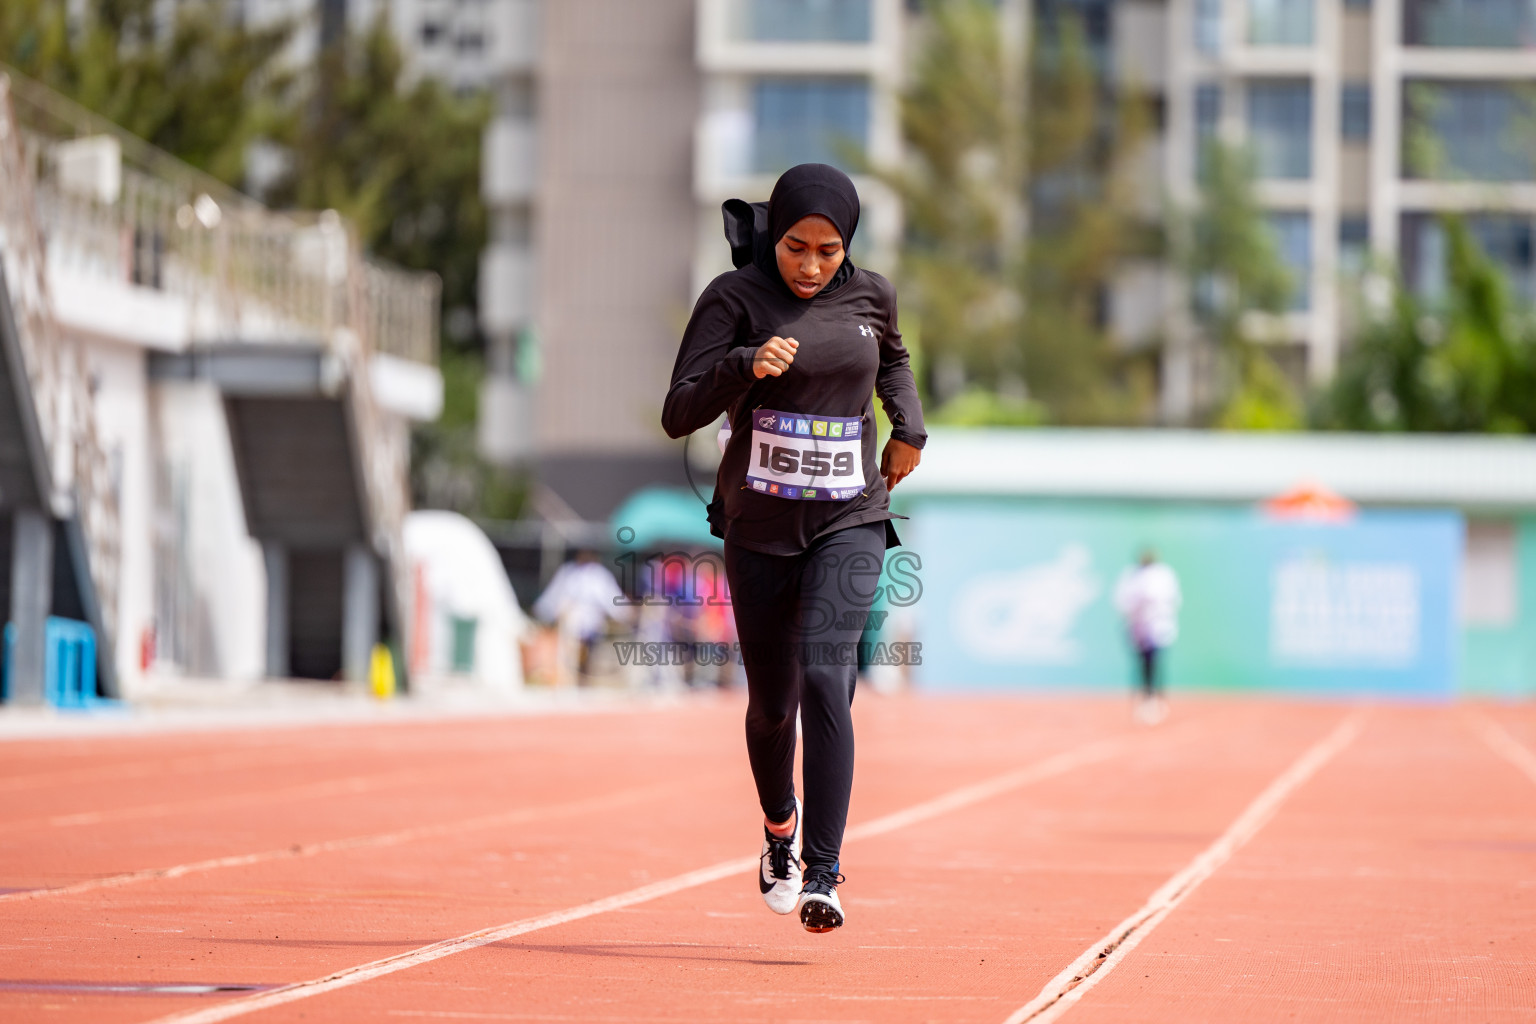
(1028, 615)
(1355, 613)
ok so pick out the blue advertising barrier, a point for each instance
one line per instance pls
(1020, 594)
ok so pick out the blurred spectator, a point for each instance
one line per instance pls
(688, 611)
(1148, 598)
(579, 601)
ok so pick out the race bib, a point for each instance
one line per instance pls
(815, 458)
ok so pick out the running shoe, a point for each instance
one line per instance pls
(778, 876)
(820, 909)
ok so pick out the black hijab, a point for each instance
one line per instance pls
(753, 229)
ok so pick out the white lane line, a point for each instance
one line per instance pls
(606, 802)
(965, 796)
(116, 772)
(1062, 992)
(1505, 745)
(351, 784)
(974, 794)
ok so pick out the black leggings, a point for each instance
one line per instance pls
(799, 618)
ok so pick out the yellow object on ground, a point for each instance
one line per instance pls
(381, 672)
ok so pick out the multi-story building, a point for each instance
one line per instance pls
(509, 175)
(619, 132)
(797, 81)
(1365, 120)
(453, 41)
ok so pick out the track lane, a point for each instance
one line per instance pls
(936, 936)
(463, 772)
(1399, 886)
(327, 911)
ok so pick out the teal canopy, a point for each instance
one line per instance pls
(658, 517)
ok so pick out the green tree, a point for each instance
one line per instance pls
(1238, 288)
(960, 259)
(1462, 362)
(1084, 225)
(446, 468)
(1019, 210)
(202, 86)
(400, 160)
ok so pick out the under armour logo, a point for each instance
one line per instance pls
(866, 330)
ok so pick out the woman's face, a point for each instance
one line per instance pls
(809, 254)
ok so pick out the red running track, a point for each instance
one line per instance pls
(1327, 863)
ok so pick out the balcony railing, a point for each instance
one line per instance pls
(244, 271)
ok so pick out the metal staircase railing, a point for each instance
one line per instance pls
(244, 274)
(74, 477)
(247, 273)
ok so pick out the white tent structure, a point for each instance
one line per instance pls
(467, 622)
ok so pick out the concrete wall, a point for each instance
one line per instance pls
(210, 568)
(122, 423)
(619, 96)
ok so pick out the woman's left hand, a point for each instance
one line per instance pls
(898, 459)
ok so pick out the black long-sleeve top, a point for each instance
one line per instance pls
(850, 350)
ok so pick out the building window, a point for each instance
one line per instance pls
(1508, 240)
(809, 21)
(1207, 124)
(1280, 128)
(1498, 24)
(431, 32)
(1478, 131)
(1092, 19)
(1355, 112)
(1208, 26)
(1293, 242)
(1280, 22)
(1354, 244)
(808, 120)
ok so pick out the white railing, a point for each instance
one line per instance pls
(78, 479)
(243, 272)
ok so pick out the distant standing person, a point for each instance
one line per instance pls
(580, 600)
(1148, 597)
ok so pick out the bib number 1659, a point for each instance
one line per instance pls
(784, 461)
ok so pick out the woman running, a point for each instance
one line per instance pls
(792, 345)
